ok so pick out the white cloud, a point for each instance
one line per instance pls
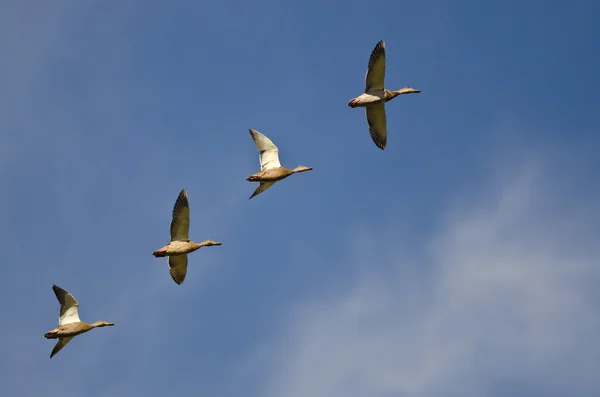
(500, 304)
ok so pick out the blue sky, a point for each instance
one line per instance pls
(460, 261)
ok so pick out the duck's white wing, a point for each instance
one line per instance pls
(262, 187)
(269, 153)
(178, 268)
(62, 342)
(69, 307)
(377, 124)
(376, 70)
(180, 224)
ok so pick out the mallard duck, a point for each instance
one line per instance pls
(376, 96)
(271, 170)
(180, 244)
(69, 324)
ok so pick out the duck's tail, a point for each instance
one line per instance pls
(51, 334)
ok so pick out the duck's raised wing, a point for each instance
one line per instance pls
(180, 224)
(269, 153)
(376, 70)
(69, 307)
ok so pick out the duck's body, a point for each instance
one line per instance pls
(180, 244)
(175, 248)
(73, 329)
(271, 169)
(275, 174)
(376, 95)
(69, 324)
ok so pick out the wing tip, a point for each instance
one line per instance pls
(379, 47)
(380, 142)
(182, 198)
(58, 292)
(176, 278)
(255, 136)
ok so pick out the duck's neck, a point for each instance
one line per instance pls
(389, 95)
(202, 244)
(300, 168)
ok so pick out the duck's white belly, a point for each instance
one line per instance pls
(371, 98)
(179, 247)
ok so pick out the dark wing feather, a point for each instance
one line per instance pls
(178, 268)
(180, 224)
(62, 342)
(377, 124)
(261, 188)
(69, 307)
(375, 78)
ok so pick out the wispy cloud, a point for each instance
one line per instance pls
(499, 304)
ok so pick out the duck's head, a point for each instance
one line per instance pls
(103, 323)
(209, 243)
(301, 168)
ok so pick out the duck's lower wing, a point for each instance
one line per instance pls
(261, 188)
(178, 268)
(62, 342)
(377, 124)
